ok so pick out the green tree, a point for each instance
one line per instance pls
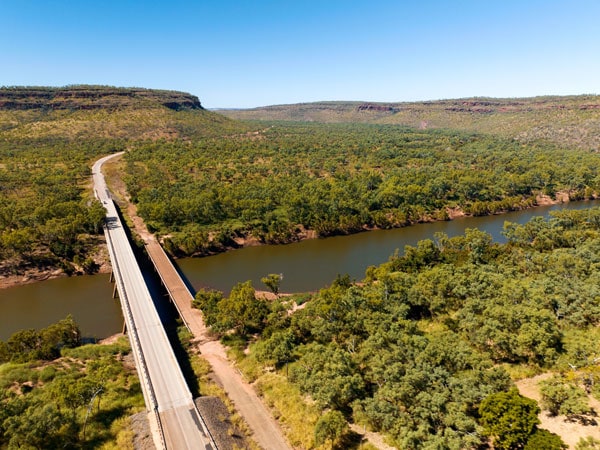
(4, 352)
(24, 345)
(273, 282)
(545, 440)
(478, 242)
(509, 418)
(74, 392)
(28, 345)
(331, 426)
(329, 375)
(277, 349)
(65, 333)
(208, 302)
(242, 311)
(42, 427)
(562, 397)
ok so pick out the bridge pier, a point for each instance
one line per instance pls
(111, 279)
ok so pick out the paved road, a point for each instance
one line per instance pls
(266, 432)
(165, 390)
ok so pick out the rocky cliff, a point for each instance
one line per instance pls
(93, 97)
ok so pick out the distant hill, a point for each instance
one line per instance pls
(93, 97)
(49, 138)
(568, 120)
(92, 112)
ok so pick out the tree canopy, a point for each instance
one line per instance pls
(418, 349)
(288, 180)
(509, 418)
(45, 403)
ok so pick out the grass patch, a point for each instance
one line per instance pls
(121, 428)
(521, 371)
(93, 351)
(296, 416)
(92, 375)
(11, 373)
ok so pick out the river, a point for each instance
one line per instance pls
(306, 266)
(312, 264)
(87, 298)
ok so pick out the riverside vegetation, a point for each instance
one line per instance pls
(293, 180)
(206, 183)
(423, 349)
(54, 392)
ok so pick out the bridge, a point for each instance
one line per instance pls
(175, 418)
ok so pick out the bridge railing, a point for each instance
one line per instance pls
(113, 222)
(133, 336)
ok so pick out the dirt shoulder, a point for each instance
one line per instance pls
(265, 428)
(570, 431)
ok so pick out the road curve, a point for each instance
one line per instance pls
(165, 390)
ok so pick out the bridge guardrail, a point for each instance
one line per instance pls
(137, 351)
(135, 337)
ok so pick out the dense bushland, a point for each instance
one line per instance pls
(413, 351)
(293, 179)
(46, 344)
(49, 138)
(47, 218)
(416, 347)
(56, 393)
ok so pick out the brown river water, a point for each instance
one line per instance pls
(306, 266)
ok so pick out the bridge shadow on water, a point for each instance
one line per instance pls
(167, 312)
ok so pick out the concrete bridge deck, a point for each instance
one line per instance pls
(168, 399)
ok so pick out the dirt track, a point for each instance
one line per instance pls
(267, 432)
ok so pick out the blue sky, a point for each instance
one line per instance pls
(253, 53)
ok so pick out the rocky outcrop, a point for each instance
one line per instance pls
(376, 107)
(93, 97)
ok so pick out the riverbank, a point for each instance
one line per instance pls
(304, 234)
(33, 274)
(28, 275)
